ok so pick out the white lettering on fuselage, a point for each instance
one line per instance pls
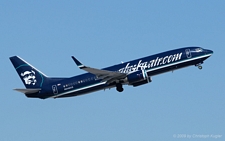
(68, 88)
(153, 63)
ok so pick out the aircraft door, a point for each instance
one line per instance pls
(188, 53)
(54, 89)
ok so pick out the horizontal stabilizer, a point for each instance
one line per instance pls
(28, 91)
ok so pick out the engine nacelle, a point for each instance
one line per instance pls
(138, 78)
(140, 83)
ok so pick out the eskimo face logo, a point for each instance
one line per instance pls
(29, 77)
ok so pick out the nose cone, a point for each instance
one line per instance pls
(207, 51)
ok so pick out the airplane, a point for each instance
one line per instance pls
(133, 73)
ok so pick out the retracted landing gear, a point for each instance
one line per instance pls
(119, 87)
(199, 65)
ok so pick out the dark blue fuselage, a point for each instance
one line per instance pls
(152, 65)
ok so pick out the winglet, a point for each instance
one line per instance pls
(79, 64)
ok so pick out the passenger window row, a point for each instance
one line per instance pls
(80, 81)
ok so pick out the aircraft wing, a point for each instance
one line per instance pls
(105, 75)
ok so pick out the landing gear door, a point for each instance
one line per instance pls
(188, 53)
(54, 89)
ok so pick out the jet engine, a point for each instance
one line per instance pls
(138, 78)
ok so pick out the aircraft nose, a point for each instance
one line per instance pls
(207, 51)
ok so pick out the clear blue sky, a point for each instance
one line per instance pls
(103, 33)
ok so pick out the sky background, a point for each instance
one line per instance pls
(102, 33)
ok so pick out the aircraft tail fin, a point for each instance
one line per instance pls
(32, 78)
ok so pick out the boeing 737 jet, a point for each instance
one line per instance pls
(133, 73)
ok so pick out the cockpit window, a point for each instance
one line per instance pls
(198, 49)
